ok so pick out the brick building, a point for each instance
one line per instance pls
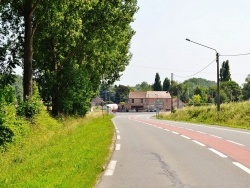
(149, 100)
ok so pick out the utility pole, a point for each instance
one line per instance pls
(172, 77)
(218, 82)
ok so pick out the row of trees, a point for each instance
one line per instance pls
(193, 91)
(203, 91)
(68, 47)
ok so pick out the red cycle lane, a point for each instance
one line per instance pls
(236, 152)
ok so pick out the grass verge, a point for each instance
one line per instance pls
(68, 154)
(235, 115)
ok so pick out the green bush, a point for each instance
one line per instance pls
(28, 108)
(31, 106)
(7, 95)
(6, 135)
(12, 128)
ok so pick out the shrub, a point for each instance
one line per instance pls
(11, 127)
(31, 106)
(6, 135)
(7, 95)
(28, 108)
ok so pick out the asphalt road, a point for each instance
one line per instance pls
(155, 153)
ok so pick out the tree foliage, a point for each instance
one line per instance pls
(192, 83)
(144, 86)
(246, 88)
(232, 90)
(18, 25)
(157, 84)
(82, 43)
(225, 72)
(71, 45)
(166, 84)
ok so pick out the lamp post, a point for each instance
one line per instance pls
(218, 80)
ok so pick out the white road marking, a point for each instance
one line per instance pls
(117, 131)
(215, 136)
(218, 153)
(175, 132)
(160, 127)
(235, 143)
(110, 169)
(201, 132)
(185, 137)
(118, 147)
(195, 141)
(189, 129)
(118, 137)
(167, 130)
(242, 167)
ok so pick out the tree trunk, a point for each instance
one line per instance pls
(55, 88)
(28, 52)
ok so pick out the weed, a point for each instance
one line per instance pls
(231, 115)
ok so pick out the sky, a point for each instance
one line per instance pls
(159, 45)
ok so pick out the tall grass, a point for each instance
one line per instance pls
(232, 115)
(67, 154)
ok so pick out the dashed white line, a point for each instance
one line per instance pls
(118, 147)
(189, 129)
(215, 136)
(118, 137)
(117, 131)
(160, 127)
(110, 169)
(167, 130)
(218, 153)
(175, 132)
(185, 137)
(201, 132)
(195, 141)
(242, 167)
(235, 143)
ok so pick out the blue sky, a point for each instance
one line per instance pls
(162, 26)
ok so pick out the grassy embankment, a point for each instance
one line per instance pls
(68, 154)
(235, 115)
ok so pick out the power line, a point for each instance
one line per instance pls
(237, 54)
(160, 68)
(196, 72)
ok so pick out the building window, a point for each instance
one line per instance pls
(133, 101)
(141, 100)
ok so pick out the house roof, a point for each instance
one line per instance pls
(149, 94)
(158, 94)
(137, 95)
(97, 100)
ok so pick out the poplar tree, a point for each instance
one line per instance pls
(18, 25)
(225, 72)
(166, 84)
(157, 84)
(78, 44)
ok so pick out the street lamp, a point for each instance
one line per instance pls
(218, 80)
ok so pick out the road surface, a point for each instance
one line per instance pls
(156, 153)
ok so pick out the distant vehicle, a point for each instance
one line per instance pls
(151, 108)
(112, 107)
